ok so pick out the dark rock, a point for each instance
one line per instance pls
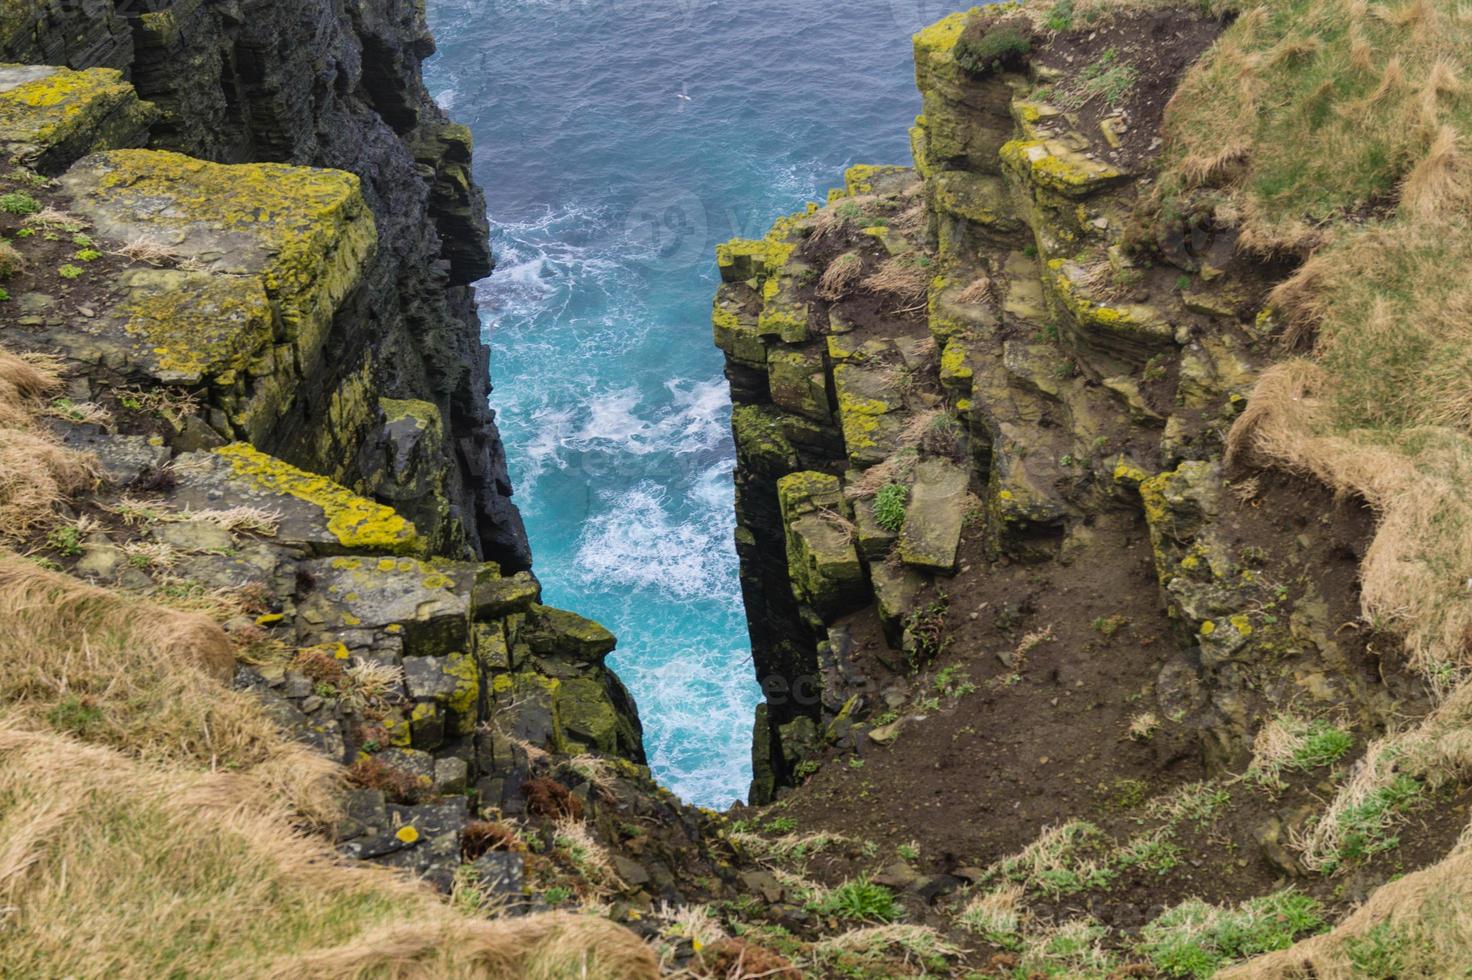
(763, 883)
(632, 872)
(502, 874)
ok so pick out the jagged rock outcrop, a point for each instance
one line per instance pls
(979, 338)
(229, 353)
(346, 93)
(263, 345)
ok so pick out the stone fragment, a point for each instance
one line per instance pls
(822, 564)
(558, 633)
(450, 775)
(310, 510)
(896, 593)
(934, 516)
(494, 598)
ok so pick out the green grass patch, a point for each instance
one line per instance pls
(861, 901)
(982, 50)
(889, 506)
(1196, 939)
(1107, 79)
(1364, 827)
(19, 203)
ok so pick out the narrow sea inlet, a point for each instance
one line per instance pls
(618, 143)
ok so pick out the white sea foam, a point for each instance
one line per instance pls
(697, 701)
(637, 541)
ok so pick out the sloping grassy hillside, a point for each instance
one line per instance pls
(1337, 130)
(158, 823)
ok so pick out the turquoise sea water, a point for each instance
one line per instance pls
(607, 194)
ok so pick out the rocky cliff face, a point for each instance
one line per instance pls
(1010, 597)
(312, 84)
(247, 237)
(957, 369)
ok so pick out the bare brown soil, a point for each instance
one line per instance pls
(1153, 48)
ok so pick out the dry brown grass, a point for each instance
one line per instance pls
(1415, 926)
(123, 672)
(55, 218)
(838, 216)
(147, 252)
(114, 868)
(896, 468)
(840, 276)
(1302, 114)
(979, 290)
(36, 473)
(900, 277)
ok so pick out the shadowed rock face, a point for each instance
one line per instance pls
(310, 83)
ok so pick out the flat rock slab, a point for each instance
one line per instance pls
(896, 592)
(933, 519)
(50, 117)
(870, 410)
(312, 512)
(263, 256)
(425, 605)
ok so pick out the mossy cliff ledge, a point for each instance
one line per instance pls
(1010, 596)
(318, 292)
(247, 302)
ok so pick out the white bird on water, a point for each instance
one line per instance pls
(684, 93)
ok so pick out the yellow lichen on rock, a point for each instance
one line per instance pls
(53, 115)
(306, 234)
(355, 521)
(192, 325)
(940, 38)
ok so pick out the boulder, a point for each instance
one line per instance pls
(822, 564)
(558, 633)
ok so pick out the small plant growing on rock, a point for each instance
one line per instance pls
(861, 900)
(953, 682)
(65, 540)
(840, 276)
(889, 506)
(547, 797)
(925, 633)
(556, 895)
(984, 49)
(19, 203)
(397, 785)
(481, 836)
(1143, 726)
